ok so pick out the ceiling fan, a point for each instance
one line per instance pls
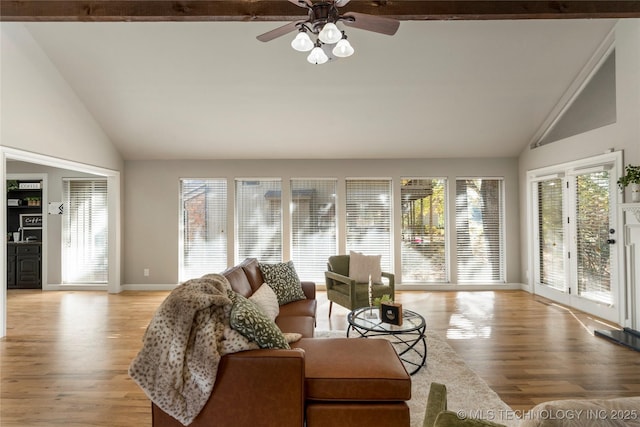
(321, 21)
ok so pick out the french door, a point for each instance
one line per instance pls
(575, 238)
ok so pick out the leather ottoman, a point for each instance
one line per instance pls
(354, 382)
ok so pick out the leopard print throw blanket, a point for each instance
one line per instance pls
(183, 344)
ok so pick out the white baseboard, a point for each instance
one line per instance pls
(458, 287)
(74, 288)
(451, 287)
(149, 287)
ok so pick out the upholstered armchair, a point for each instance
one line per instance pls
(349, 292)
(437, 415)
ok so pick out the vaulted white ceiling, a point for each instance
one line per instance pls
(202, 90)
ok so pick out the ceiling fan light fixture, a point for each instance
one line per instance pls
(330, 33)
(317, 56)
(343, 48)
(302, 42)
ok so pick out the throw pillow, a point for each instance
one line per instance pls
(284, 281)
(234, 342)
(247, 319)
(362, 266)
(265, 298)
(292, 336)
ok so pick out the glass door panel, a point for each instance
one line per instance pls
(592, 231)
(551, 235)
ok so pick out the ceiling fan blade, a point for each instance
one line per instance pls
(339, 3)
(374, 23)
(277, 32)
(302, 3)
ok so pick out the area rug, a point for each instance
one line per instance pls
(467, 393)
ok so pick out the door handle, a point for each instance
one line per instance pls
(611, 241)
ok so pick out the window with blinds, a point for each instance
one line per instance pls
(313, 226)
(259, 219)
(203, 236)
(480, 230)
(424, 255)
(368, 203)
(85, 251)
(551, 251)
(593, 256)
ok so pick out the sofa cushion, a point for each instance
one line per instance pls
(266, 300)
(238, 281)
(304, 325)
(303, 307)
(334, 370)
(251, 322)
(362, 266)
(251, 268)
(284, 280)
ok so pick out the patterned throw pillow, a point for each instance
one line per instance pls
(284, 281)
(265, 298)
(251, 322)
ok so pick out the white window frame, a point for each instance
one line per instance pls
(182, 274)
(321, 261)
(283, 197)
(503, 254)
(65, 273)
(447, 243)
(387, 260)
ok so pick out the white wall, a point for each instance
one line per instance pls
(623, 135)
(42, 117)
(40, 112)
(152, 204)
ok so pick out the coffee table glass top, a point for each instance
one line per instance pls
(368, 318)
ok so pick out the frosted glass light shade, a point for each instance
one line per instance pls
(343, 49)
(302, 42)
(330, 33)
(317, 56)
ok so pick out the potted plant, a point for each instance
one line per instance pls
(383, 299)
(631, 178)
(33, 201)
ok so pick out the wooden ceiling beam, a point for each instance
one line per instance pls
(282, 10)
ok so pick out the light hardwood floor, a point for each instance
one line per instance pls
(65, 358)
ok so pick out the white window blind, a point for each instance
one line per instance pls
(551, 251)
(313, 226)
(480, 230)
(203, 237)
(85, 251)
(259, 219)
(424, 216)
(592, 225)
(369, 218)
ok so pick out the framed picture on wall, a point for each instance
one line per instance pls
(31, 221)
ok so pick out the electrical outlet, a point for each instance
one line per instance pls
(146, 272)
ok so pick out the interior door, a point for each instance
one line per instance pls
(575, 237)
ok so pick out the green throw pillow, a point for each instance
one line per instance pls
(251, 322)
(284, 281)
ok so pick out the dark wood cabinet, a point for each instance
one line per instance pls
(23, 266)
(24, 218)
(11, 266)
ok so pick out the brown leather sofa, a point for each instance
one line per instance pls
(318, 383)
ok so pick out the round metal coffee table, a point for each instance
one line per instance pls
(408, 338)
